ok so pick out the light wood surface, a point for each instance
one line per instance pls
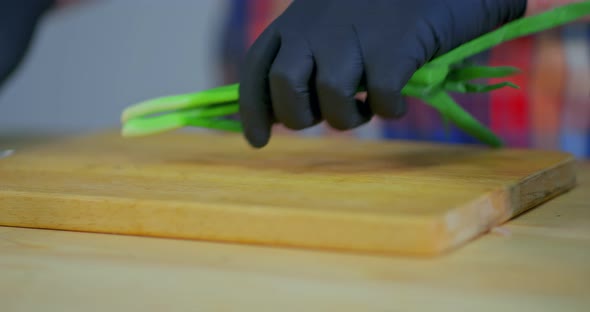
(388, 197)
(538, 262)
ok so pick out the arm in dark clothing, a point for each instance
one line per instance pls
(18, 22)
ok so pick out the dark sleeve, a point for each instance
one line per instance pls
(18, 21)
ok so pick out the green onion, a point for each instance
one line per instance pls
(432, 83)
(448, 108)
(219, 95)
(462, 87)
(477, 72)
(201, 117)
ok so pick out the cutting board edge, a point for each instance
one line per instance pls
(504, 204)
(88, 216)
(563, 177)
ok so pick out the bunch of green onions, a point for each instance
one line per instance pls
(432, 84)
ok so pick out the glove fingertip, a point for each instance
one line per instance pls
(258, 137)
(255, 115)
(255, 104)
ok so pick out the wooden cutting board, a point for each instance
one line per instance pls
(384, 197)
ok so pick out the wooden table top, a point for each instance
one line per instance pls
(539, 261)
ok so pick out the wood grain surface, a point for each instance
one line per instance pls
(536, 262)
(392, 197)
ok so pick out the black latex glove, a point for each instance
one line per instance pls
(18, 21)
(308, 64)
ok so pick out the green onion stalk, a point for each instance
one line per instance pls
(432, 84)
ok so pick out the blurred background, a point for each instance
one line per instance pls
(89, 59)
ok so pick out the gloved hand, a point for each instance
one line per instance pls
(18, 20)
(307, 65)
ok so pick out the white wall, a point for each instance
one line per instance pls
(89, 62)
